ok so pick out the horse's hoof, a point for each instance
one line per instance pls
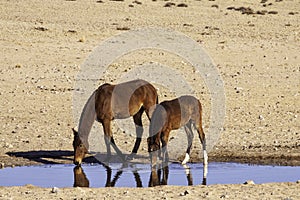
(204, 181)
(130, 157)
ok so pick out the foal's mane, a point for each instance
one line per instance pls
(87, 119)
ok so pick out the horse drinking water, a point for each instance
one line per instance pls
(171, 115)
(111, 102)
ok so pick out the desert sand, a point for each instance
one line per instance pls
(254, 45)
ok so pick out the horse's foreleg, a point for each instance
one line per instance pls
(110, 140)
(108, 176)
(164, 144)
(107, 135)
(154, 179)
(137, 179)
(190, 137)
(165, 176)
(107, 144)
(119, 152)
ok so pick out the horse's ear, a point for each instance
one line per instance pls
(75, 131)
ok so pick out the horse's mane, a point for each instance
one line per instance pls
(87, 119)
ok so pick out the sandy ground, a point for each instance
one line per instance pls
(262, 191)
(255, 47)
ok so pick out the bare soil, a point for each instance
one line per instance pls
(255, 46)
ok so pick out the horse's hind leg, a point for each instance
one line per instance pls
(137, 118)
(190, 137)
(205, 156)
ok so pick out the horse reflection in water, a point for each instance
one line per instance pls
(157, 177)
(80, 179)
(160, 176)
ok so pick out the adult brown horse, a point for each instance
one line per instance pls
(111, 102)
(171, 115)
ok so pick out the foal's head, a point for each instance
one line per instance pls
(79, 149)
(157, 123)
(153, 148)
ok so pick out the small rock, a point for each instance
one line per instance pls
(82, 39)
(7, 145)
(249, 182)
(2, 165)
(182, 5)
(54, 190)
(169, 4)
(185, 193)
(41, 28)
(223, 196)
(273, 12)
(293, 13)
(261, 117)
(298, 182)
(137, 2)
(123, 28)
(18, 66)
(238, 89)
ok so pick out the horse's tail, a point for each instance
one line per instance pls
(87, 119)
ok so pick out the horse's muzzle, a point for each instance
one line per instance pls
(77, 162)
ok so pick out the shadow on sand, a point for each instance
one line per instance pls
(66, 157)
(45, 156)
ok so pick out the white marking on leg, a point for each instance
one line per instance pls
(205, 157)
(205, 163)
(186, 159)
(187, 169)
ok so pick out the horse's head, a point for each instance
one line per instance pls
(80, 179)
(157, 123)
(153, 143)
(79, 149)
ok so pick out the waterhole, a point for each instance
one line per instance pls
(141, 175)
